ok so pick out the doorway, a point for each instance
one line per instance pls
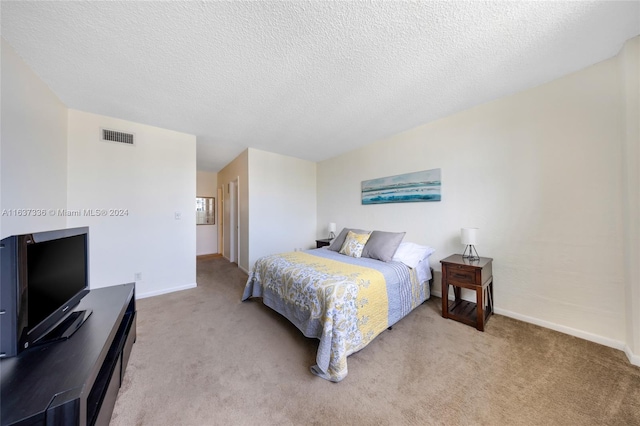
(234, 220)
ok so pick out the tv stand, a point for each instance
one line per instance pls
(74, 381)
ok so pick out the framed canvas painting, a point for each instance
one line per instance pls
(406, 188)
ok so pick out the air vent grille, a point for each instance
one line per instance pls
(109, 135)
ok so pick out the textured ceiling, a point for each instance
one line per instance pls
(310, 79)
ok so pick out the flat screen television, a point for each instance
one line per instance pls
(44, 276)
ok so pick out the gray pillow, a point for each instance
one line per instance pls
(338, 241)
(382, 245)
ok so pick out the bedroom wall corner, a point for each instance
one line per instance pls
(150, 187)
(630, 76)
(282, 195)
(33, 168)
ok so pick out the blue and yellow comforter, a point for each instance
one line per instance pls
(343, 301)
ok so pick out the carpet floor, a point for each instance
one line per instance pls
(203, 357)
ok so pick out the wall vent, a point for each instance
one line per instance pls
(116, 136)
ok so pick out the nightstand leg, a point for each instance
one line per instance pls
(445, 299)
(480, 308)
(490, 298)
(445, 294)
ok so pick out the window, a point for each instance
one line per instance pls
(205, 211)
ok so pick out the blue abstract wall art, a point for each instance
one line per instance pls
(407, 188)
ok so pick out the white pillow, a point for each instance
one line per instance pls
(411, 253)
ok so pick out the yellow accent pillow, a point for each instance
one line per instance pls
(354, 244)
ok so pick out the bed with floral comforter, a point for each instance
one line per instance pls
(343, 301)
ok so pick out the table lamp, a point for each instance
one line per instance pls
(332, 230)
(468, 237)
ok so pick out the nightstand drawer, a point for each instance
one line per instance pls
(460, 275)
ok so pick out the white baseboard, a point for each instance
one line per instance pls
(616, 344)
(633, 358)
(165, 291)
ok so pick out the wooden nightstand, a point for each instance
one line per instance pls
(323, 242)
(474, 275)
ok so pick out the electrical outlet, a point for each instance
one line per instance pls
(178, 216)
(137, 276)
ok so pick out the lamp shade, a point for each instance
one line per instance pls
(468, 236)
(332, 227)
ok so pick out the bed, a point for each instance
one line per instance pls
(343, 301)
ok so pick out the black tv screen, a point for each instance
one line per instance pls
(44, 276)
(56, 271)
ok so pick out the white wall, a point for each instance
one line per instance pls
(277, 200)
(282, 196)
(52, 160)
(207, 235)
(152, 181)
(33, 172)
(630, 75)
(539, 174)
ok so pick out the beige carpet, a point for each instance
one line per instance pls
(202, 357)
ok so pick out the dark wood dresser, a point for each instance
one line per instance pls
(74, 381)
